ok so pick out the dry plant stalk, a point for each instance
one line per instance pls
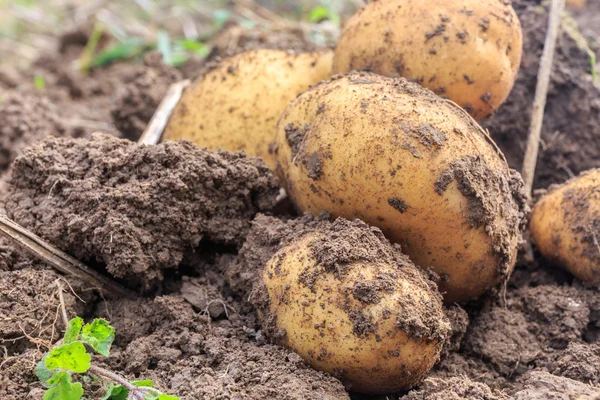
(157, 124)
(58, 259)
(541, 93)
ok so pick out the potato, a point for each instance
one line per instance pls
(236, 104)
(350, 304)
(393, 154)
(565, 225)
(467, 50)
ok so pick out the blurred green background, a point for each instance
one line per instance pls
(30, 27)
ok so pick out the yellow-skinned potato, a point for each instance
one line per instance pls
(393, 154)
(349, 304)
(565, 225)
(236, 104)
(466, 50)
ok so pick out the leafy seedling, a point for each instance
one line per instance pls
(70, 359)
(39, 82)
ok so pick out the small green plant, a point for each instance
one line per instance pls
(39, 82)
(69, 359)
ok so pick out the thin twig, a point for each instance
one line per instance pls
(541, 93)
(58, 259)
(137, 392)
(63, 307)
(156, 127)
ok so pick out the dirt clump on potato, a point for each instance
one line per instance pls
(136, 208)
(572, 117)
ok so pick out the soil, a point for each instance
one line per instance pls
(91, 199)
(193, 331)
(572, 117)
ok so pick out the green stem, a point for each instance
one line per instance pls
(87, 56)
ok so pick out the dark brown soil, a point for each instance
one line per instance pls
(572, 118)
(135, 208)
(200, 339)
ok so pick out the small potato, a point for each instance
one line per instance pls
(350, 304)
(236, 104)
(393, 154)
(565, 225)
(467, 50)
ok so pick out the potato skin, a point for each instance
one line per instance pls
(359, 341)
(400, 158)
(467, 50)
(565, 225)
(236, 104)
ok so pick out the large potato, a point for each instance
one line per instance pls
(467, 50)
(350, 304)
(565, 225)
(393, 154)
(236, 104)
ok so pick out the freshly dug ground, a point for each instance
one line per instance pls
(127, 210)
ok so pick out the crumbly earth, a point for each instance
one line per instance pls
(25, 119)
(538, 341)
(136, 208)
(572, 117)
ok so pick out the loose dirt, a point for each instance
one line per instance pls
(178, 216)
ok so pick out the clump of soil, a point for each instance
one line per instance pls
(541, 385)
(487, 193)
(138, 100)
(572, 117)
(457, 388)
(25, 119)
(136, 208)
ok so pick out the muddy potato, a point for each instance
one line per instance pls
(236, 104)
(565, 225)
(393, 154)
(378, 326)
(467, 50)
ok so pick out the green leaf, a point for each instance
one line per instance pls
(145, 383)
(167, 397)
(73, 329)
(116, 392)
(100, 335)
(39, 82)
(194, 46)
(123, 51)
(63, 388)
(163, 43)
(320, 13)
(71, 357)
(42, 372)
